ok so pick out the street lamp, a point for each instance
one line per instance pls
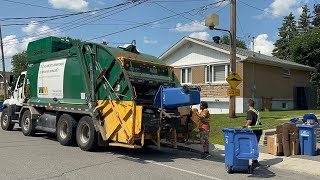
(211, 21)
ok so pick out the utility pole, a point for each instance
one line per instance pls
(253, 44)
(253, 85)
(233, 30)
(3, 67)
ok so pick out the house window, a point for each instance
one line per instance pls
(284, 105)
(186, 75)
(216, 73)
(219, 73)
(286, 72)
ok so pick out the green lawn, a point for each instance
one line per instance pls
(269, 120)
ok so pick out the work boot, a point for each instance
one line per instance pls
(205, 155)
(255, 164)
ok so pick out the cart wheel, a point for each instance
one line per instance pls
(229, 169)
(250, 169)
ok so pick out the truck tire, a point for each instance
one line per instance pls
(5, 124)
(26, 124)
(87, 137)
(66, 130)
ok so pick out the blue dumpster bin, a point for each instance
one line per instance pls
(240, 146)
(168, 97)
(308, 139)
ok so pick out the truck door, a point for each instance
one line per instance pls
(18, 93)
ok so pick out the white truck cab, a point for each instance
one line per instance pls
(12, 106)
(18, 93)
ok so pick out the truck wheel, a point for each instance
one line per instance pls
(26, 124)
(87, 137)
(66, 130)
(5, 125)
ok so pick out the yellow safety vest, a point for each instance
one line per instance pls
(258, 125)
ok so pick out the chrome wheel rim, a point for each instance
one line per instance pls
(5, 120)
(26, 124)
(84, 133)
(63, 129)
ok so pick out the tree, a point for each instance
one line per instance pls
(306, 50)
(239, 43)
(304, 23)
(19, 63)
(287, 32)
(316, 16)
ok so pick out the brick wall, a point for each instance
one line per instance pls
(214, 91)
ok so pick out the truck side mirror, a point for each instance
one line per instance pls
(10, 80)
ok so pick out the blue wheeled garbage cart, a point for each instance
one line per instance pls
(308, 139)
(240, 146)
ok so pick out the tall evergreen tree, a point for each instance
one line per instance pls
(316, 16)
(304, 23)
(287, 32)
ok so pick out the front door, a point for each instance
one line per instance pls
(18, 93)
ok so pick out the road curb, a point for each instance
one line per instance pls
(280, 162)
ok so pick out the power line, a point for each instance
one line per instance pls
(27, 4)
(181, 14)
(67, 15)
(240, 26)
(84, 19)
(147, 23)
(263, 10)
(150, 22)
(180, 1)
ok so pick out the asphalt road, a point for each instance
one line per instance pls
(42, 157)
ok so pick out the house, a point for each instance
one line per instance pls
(273, 83)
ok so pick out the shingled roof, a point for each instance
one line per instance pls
(245, 55)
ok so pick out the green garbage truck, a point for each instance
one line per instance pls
(92, 94)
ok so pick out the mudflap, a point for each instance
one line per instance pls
(102, 142)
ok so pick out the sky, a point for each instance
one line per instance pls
(156, 25)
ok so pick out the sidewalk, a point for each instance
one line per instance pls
(300, 164)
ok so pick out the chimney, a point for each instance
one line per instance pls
(216, 39)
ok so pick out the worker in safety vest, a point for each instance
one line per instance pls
(254, 123)
(204, 128)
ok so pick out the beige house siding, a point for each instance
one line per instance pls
(270, 81)
(177, 72)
